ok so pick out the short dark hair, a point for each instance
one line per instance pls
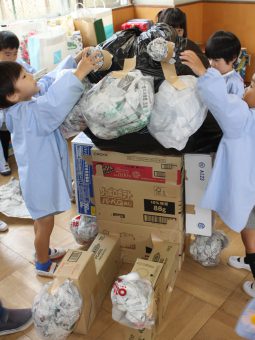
(224, 45)
(9, 74)
(174, 17)
(8, 40)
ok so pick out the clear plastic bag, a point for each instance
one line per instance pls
(133, 302)
(84, 229)
(177, 114)
(206, 249)
(115, 107)
(55, 314)
(74, 122)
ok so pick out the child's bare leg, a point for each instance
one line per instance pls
(43, 228)
(248, 238)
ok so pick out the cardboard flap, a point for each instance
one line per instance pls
(171, 76)
(129, 65)
(169, 69)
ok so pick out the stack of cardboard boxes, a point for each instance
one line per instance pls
(140, 199)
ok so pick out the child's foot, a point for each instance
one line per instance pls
(238, 262)
(56, 253)
(14, 320)
(45, 269)
(3, 226)
(249, 288)
(5, 170)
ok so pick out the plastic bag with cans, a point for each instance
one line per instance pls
(133, 302)
(118, 106)
(84, 229)
(55, 313)
(206, 249)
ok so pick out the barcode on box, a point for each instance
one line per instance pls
(74, 257)
(160, 174)
(155, 219)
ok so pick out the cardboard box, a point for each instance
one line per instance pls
(197, 172)
(161, 269)
(140, 203)
(167, 254)
(79, 266)
(93, 272)
(83, 171)
(136, 241)
(138, 167)
(106, 251)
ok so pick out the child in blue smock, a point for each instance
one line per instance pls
(40, 150)
(9, 46)
(231, 188)
(222, 49)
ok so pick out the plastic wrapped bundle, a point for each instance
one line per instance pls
(133, 302)
(84, 229)
(158, 50)
(74, 122)
(177, 114)
(55, 314)
(206, 249)
(115, 107)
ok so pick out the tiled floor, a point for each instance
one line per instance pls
(205, 303)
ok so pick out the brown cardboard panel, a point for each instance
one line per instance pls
(140, 203)
(138, 167)
(166, 255)
(79, 266)
(107, 257)
(135, 239)
(106, 251)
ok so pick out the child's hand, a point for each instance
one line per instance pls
(190, 59)
(87, 64)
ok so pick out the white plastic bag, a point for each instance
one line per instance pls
(133, 302)
(177, 114)
(206, 249)
(55, 314)
(75, 122)
(84, 229)
(115, 107)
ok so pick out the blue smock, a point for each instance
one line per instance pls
(235, 84)
(231, 188)
(40, 150)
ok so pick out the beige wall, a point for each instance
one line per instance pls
(238, 18)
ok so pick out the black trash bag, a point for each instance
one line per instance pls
(144, 62)
(205, 140)
(182, 69)
(121, 45)
(153, 68)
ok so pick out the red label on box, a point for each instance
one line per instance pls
(133, 172)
